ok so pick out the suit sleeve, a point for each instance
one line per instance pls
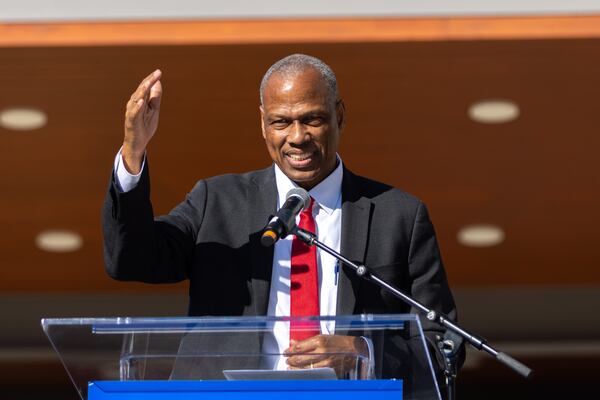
(429, 282)
(139, 247)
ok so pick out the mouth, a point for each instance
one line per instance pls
(300, 160)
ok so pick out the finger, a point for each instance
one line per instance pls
(151, 79)
(155, 95)
(314, 363)
(133, 103)
(297, 362)
(290, 349)
(143, 90)
(134, 111)
(303, 361)
(307, 345)
(328, 362)
(140, 107)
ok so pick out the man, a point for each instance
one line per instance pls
(213, 237)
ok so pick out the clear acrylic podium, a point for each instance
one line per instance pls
(225, 358)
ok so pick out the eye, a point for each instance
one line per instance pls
(314, 120)
(280, 123)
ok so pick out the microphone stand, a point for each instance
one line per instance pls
(449, 344)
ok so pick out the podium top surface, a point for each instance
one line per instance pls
(224, 324)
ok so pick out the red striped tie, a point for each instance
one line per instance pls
(304, 281)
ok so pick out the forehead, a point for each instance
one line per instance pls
(289, 89)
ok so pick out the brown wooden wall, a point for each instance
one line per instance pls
(407, 85)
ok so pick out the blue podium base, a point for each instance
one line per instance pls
(248, 390)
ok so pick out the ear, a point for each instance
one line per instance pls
(262, 121)
(340, 110)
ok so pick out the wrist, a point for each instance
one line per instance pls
(132, 158)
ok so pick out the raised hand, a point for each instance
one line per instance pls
(141, 120)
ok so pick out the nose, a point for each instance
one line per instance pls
(298, 133)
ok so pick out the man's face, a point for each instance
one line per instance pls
(301, 125)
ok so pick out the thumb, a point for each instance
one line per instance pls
(291, 348)
(155, 95)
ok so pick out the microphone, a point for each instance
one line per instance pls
(282, 223)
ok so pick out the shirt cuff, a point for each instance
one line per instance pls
(124, 180)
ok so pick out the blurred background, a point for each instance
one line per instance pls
(488, 111)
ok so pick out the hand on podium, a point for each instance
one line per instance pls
(334, 351)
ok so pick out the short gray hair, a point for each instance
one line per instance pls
(296, 63)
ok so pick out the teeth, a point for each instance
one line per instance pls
(299, 157)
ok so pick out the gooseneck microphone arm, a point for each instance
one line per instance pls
(363, 272)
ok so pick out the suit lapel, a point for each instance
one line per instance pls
(356, 212)
(262, 200)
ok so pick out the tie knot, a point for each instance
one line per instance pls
(308, 210)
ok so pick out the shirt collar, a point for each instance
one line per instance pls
(326, 194)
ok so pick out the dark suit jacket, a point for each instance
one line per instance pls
(212, 238)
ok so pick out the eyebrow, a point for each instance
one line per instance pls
(310, 114)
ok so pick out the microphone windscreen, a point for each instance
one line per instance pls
(301, 193)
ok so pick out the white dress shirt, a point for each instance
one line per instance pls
(327, 212)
